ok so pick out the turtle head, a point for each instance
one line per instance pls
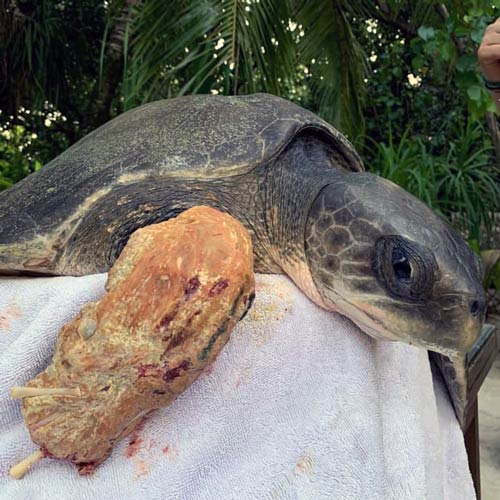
(379, 256)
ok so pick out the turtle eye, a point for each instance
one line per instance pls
(404, 268)
(401, 265)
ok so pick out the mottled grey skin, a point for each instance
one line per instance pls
(359, 213)
(296, 184)
(345, 223)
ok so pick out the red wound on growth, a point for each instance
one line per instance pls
(173, 373)
(192, 285)
(145, 370)
(218, 287)
(166, 320)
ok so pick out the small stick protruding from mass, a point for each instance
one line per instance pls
(20, 469)
(28, 392)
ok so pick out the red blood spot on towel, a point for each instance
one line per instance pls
(218, 287)
(304, 464)
(4, 322)
(135, 439)
(171, 451)
(10, 312)
(133, 446)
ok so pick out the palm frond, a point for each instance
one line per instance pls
(337, 61)
(45, 46)
(225, 46)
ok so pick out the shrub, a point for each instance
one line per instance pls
(461, 184)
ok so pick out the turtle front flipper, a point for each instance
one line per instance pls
(35, 257)
(89, 238)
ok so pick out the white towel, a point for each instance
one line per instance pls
(299, 405)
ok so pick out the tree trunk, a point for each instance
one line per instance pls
(112, 74)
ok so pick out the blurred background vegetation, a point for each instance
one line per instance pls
(399, 77)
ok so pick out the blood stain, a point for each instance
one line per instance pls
(135, 441)
(192, 285)
(173, 373)
(133, 447)
(218, 287)
(11, 312)
(146, 370)
(171, 451)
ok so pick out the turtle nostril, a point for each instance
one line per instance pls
(477, 307)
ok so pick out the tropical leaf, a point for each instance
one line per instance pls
(45, 48)
(225, 46)
(338, 62)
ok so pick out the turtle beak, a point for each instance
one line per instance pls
(454, 373)
(463, 374)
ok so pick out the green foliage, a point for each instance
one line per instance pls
(23, 151)
(440, 55)
(470, 186)
(491, 262)
(298, 49)
(312, 51)
(409, 165)
(48, 52)
(451, 53)
(459, 184)
(197, 47)
(335, 85)
(13, 165)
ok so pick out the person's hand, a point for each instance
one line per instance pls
(489, 52)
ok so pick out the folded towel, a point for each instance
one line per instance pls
(299, 405)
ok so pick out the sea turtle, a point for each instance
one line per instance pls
(352, 241)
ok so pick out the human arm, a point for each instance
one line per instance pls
(489, 59)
